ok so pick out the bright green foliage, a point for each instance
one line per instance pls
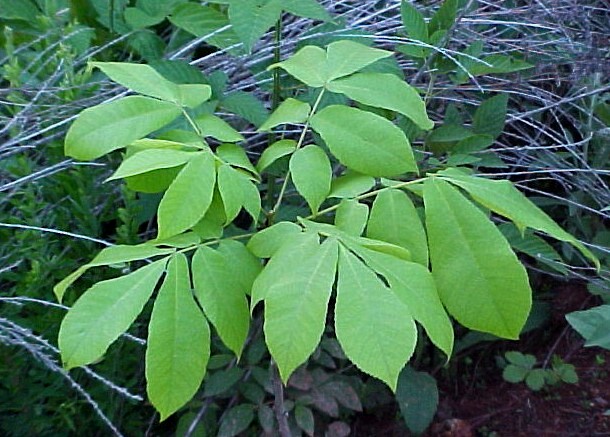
(351, 184)
(178, 342)
(395, 220)
(188, 197)
(251, 18)
(236, 156)
(104, 312)
(593, 324)
(221, 296)
(150, 160)
(274, 152)
(384, 91)
(374, 327)
(204, 21)
(230, 187)
(295, 313)
(216, 127)
(413, 21)
(503, 198)
(480, 280)
(521, 368)
(268, 241)
(289, 111)
(311, 174)
(364, 142)
(104, 128)
(351, 217)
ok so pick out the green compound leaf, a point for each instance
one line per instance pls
(306, 8)
(295, 312)
(221, 296)
(394, 219)
(149, 160)
(306, 65)
(188, 197)
(265, 243)
(104, 312)
(351, 217)
(384, 91)
(274, 152)
(290, 111)
(480, 280)
(373, 326)
(311, 174)
(503, 198)
(178, 342)
(252, 18)
(110, 126)
(364, 142)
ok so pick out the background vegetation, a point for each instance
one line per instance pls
(55, 213)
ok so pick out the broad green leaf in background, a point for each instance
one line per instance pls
(188, 197)
(141, 78)
(110, 126)
(415, 287)
(394, 219)
(204, 22)
(503, 198)
(229, 185)
(306, 8)
(247, 106)
(104, 312)
(221, 296)
(311, 174)
(351, 184)
(178, 345)
(24, 10)
(252, 18)
(351, 216)
(111, 255)
(479, 278)
(216, 127)
(295, 313)
(593, 324)
(374, 328)
(384, 91)
(290, 111)
(265, 243)
(365, 142)
(274, 152)
(490, 116)
(414, 22)
(417, 397)
(236, 420)
(305, 420)
(444, 18)
(149, 160)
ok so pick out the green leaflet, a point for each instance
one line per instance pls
(289, 111)
(295, 313)
(278, 271)
(212, 224)
(274, 152)
(221, 296)
(504, 199)
(415, 287)
(311, 174)
(490, 116)
(110, 126)
(188, 197)
(365, 142)
(194, 94)
(204, 21)
(417, 397)
(141, 78)
(316, 67)
(374, 328)
(236, 156)
(593, 324)
(110, 255)
(216, 127)
(384, 91)
(229, 185)
(155, 181)
(178, 342)
(265, 243)
(252, 18)
(306, 8)
(479, 279)
(444, 18)
(351, 217)
(351, 184)
(240, 258)
(104, 312)
(394, 219)
(245, 105)
(413, 21)
(22, 10)
(149, 160)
